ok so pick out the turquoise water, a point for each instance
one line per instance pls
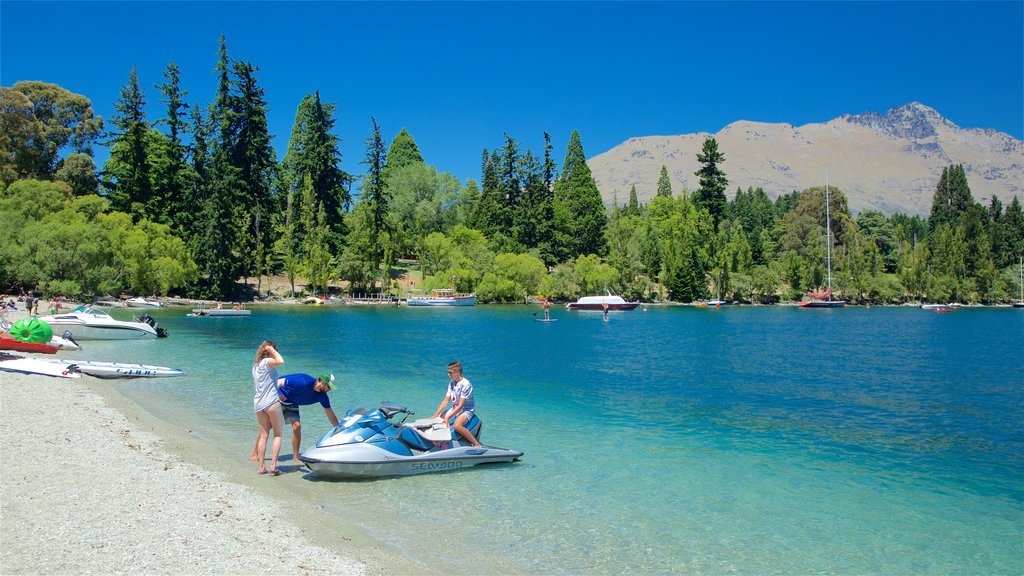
(674, 440)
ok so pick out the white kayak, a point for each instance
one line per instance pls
(10, 363)
(121, 370)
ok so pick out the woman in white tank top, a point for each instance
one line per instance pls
(267, 404)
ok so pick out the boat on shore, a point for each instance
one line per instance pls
(442, 297)
(598, 303)
(88, 323)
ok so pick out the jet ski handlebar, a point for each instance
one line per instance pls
(389, 409)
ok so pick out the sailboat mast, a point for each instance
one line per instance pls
(828, 238)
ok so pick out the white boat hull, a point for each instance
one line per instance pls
(221, 312)
(38, 367)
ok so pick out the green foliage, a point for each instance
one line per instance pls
(664, 184)
(38, 121)
(577, 192)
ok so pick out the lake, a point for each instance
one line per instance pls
(755, 440)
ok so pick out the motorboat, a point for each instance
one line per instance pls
(236, 310)
(442, 297)
(598, 303)
(369, 445)
(88, 323)
(140, 302)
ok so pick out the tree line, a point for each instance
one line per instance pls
(196, 199)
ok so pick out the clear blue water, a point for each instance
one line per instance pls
(673, 440)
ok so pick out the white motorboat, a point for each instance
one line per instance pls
(235, 311)
(88, 323)
(611, 301)
(140, 302)
(442, 297)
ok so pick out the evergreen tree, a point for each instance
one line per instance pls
(711, 194)
(578, 193)
(487, 214)
(1012, 233)
(172, 181)
(664, 183)
(128, 184)
(403, 151)
(375, 196)
(633, 208)
(509, 176)
(952, 197)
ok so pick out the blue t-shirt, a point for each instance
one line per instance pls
(298, 389)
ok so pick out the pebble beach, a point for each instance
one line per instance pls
(90, 485)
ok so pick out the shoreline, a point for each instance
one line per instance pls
(93, 483)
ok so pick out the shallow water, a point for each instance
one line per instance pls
(673, 440)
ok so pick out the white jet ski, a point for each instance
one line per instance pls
(369, 445)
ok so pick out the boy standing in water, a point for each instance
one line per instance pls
(460, 394)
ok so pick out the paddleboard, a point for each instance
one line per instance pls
(546, 319)
(120, 370)
(18, 345)
(33, 366)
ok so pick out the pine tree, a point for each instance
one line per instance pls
(633, 208)
(128, 184)
(711, 194)
(578, 193)
(375, 195)
(403, 151)
(173, 181)
(952, 197)
(664, 183)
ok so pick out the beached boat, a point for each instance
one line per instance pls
(824, 299)
(12, 363)
(110, 370)
(140, 302)
(442, 297)
(88, 323)
(370, 445)
(598, 303)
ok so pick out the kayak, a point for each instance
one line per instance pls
(8, 343)
(33, 366)
(121, 370)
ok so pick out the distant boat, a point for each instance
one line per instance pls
(442, 297)
(598, 302)
(140, 302)
(237, 310)
(824, 299)
(936, 307)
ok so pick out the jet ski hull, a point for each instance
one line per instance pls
(376, 463)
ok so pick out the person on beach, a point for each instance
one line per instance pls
(267, 404)
(296, 390)
(460, 394)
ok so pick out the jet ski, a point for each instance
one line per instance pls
(370, 445)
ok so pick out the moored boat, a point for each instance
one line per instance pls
(442, 297)
(598, 303)
(88, 323)
(140, 302)
(237, 310)
(824, 299)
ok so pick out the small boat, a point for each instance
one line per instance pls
(9, 343)
(12, 363)
(935, 307)
(369, 445)
(111, 370)
(140, 302)
(824, 299)
(237, 310)
(88, 323)
(442, 297)
(716, 303)
(598, 303)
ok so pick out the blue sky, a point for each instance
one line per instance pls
(460, 75)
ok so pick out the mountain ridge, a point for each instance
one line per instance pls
(884, 161)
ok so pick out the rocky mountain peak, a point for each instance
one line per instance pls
(913, 121)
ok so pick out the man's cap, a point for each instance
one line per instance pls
(328, 378)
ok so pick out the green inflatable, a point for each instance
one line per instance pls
(32, 330)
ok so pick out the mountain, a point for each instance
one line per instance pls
(889, 162)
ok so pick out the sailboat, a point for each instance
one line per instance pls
(824, 299)
(1020, 304)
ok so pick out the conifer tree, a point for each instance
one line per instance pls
(487, 215)
(375, 196)
(128, 183)
(664, 183)
(578, 193)
(952, 197)
(403, 151)
(172, 181)
(711, 194)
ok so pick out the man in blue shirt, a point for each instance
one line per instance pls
(296, 390)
